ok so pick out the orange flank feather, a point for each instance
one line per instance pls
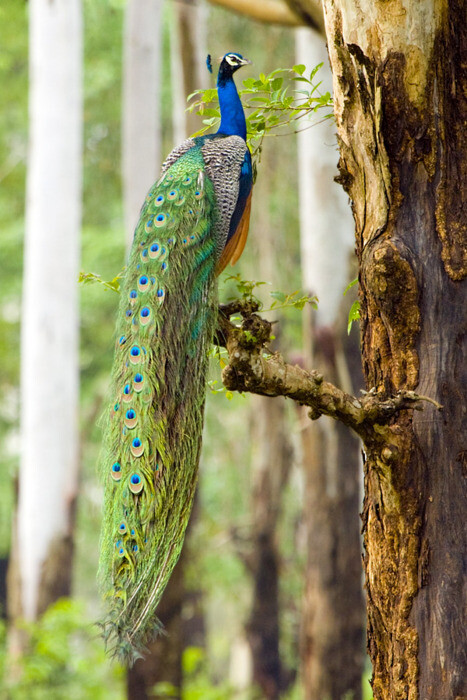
(235, 246)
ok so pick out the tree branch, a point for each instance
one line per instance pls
(310, 12)
(268, 11)
(253, 369)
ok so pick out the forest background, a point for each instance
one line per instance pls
(65, 657)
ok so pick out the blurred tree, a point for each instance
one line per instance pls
(41, 564)
(163, 664)
(271, 463)
(333, 615)
(141, 114)
(271, 460)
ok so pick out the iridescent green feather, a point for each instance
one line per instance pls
(153, 430)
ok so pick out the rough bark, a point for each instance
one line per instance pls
(42, 550)
(254, 368)
(401, 112)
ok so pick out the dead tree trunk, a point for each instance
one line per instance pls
(401, 112)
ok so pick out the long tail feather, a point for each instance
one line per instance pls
(153, 429)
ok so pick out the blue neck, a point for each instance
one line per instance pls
(232, 115)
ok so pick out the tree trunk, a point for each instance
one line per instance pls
(333, 618)
(163, 664)
(142, 77)
(401, 112)
(43, 543)
(188, 59)
(271, 461)
(333, 615)
(271, 466)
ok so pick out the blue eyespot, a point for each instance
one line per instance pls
(130, 414)
(133, 294)
(116, 407)
(160, 220)
(116, 467)
(138, 378)
(122, 527)
(135, 351)
(160, 293)
(128, 313)
(154, 248)
(145, 312)
(126, 389)
(143, 280)
(136, 443)
(135, 547)
(135, 479)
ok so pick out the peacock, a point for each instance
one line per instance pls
(194, 221)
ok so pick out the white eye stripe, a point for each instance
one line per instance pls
(232, 60)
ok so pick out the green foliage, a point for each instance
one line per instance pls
(354, 312)
(64, 659)
(270, 104)
(197, 684)
(281, 300)
(92, 278)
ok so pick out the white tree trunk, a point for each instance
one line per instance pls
(49, 331)
(142, 79)
(188, 63)
(325, 218)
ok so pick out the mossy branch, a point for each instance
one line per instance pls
(252, 368)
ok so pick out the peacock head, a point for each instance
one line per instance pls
(229, 63)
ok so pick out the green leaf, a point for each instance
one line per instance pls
(92, 278)
(354, 315)
(350, 285)
(280, 296)
(300, 68)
